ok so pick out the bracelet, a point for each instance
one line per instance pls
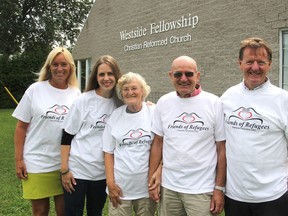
(64, 173)
(220, 188)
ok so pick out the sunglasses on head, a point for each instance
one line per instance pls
(178, 74)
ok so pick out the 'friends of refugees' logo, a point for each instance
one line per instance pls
(188, 122)
(100, 123)
(246, 114)
(188, 118)
(58, 110)
(103, 119)
(246, 119)
(136, 137)
(56, 113)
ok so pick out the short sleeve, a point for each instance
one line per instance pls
(156, 121)
(107, 139)
(23, 111)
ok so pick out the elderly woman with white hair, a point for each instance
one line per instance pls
(126, 142)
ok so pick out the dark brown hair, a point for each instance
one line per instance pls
(93, 82)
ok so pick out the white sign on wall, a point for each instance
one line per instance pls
(156, 28)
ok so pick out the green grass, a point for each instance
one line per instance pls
(11, 201)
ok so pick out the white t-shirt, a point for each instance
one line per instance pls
(86, 120)
(189, 127)
(45, 108)
(128, 136)
(257, 139)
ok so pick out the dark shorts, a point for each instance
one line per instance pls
(278, 207)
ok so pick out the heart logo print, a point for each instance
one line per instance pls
(245, 114)
(135, 134)
(188, 118)
(60, 110)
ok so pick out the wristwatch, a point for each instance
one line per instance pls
(220, 188)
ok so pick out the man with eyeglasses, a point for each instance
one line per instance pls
(190, 140)
(256, 123)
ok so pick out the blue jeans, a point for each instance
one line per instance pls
(93, 191)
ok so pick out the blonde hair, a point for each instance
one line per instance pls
(45, 73)
(127, 78)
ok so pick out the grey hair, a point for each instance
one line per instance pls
(127, 78)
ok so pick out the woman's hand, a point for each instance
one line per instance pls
(68, 182)
(21, 171)
(155, 183)
(115, 194)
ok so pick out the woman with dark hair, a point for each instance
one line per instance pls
(82, 164)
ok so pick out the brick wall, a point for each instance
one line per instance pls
(214, 41)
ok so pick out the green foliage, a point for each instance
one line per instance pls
(18, 72)
(27, 24)
(29, 29)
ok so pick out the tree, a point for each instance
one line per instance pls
(18, 72)
(26, 24)
(28, 31)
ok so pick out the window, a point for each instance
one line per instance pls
(284, 59)
(83, 71)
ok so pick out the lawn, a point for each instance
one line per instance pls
(11, 201)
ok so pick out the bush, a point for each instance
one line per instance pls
(18, 72)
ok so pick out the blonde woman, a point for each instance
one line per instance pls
(40, 115)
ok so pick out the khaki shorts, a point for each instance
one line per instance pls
(181, 204)
(141, 207)
(42, 185)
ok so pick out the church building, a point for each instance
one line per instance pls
(146, 35)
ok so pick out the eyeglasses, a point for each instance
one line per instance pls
(178, 74)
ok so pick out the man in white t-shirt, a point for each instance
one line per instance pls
(256, 123)
(190, 140)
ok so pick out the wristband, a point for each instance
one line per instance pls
(220, 188)
(64, 173)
